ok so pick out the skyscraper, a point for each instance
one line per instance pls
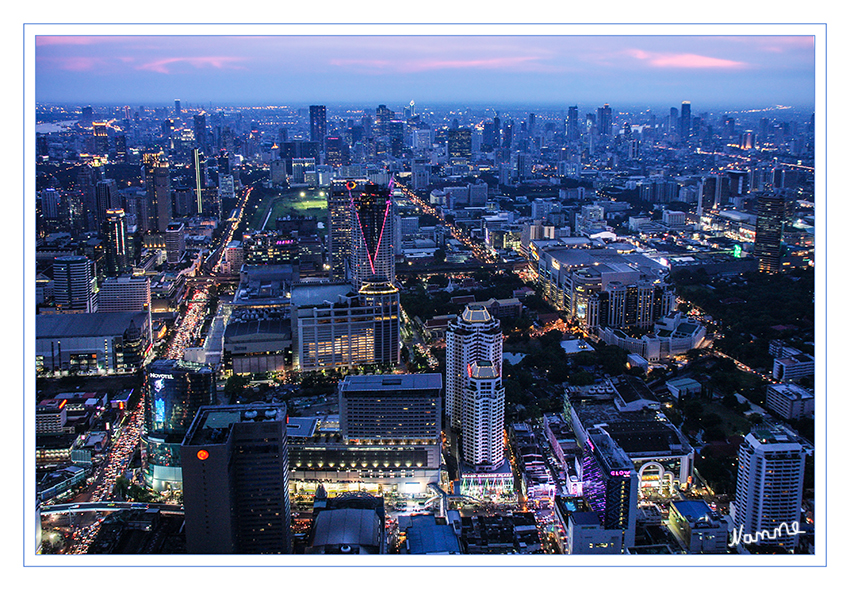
(174, 390)
(236, 480)
(770, 215)
(475, 336)
(72, 284)
(685, 120)
(115, 244)
(318, 124)
(158, 189)
(610, 485)
(769, 491)
(199, 123)
(572, 124)
(372, 219)
(483, 416)
(605, 120)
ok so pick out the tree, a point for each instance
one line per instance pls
(234, 387)
(439, 255)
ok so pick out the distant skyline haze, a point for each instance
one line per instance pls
(709, 71)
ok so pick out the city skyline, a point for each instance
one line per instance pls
(654, 70)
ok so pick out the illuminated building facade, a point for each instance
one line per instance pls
(475, 336)
(72, 285)
(770, 215)
(395, 407)
(610, 485)
(116, 247)
(339, 229)
(601, 288)
(356, 329)
(372, 220)
(483, 412)
(236, 480)
(174, 391)
(158, 189)
(769, 490)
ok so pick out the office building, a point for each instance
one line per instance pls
(372, 219)
(789, 401)
(106, 197)
(474, 336)
(685, 120)
(236, 480)
(158, 190)
(73, 282)
(125, 293)
(483, 416)
(337, 327)
(603, 288)
(610, 486)
(318, 125)
(394, 407)
(605, 120)
(769, 491)
(174, 391)
(459, 145)
(116, 249)
(175, 241)
(793, 367)
(770, 211)
(91, 342)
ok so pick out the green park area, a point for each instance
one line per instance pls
(289, 202)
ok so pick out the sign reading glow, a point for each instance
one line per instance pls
(621, 473)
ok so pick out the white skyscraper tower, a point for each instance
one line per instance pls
(473, 337)
(483, 424)
(770, 488)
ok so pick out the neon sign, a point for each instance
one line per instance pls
(621, 473)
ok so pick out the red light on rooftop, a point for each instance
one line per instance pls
(203, 455)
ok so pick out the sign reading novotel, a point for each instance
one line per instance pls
(158, 376)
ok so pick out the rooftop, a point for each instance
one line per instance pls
(81, 325)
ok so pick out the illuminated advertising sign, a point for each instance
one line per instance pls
(621, 473)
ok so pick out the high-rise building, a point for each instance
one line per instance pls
(125, 293)
(337, 327)
(769, 491)
(770, 215)
(175, 241)
(72, 284)
(174, 390)
(460, 143)
(483, 416)
(605, 120)
(115, 247)
(177, 109)
(158, 189)
(236, 480)
(339, 228)
(372, 220)
(610, 485)
(198, 169)
(391, 407)
(573, 133)
(199, 123)
(475, 336)
(106, 197)
(685, 120)
(318, 125)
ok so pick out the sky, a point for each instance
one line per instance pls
(724, 71)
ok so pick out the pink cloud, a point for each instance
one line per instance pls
(682, 60)
(45, 40)
(74, 64)
(162, 65)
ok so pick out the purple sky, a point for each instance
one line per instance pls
(728, 71)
